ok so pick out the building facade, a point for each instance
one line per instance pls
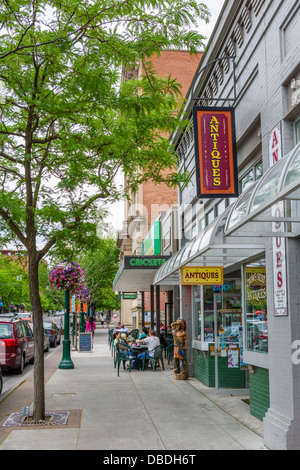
(150, 201)
(244, 332)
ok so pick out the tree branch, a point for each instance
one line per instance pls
(14, 228)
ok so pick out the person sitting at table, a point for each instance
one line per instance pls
(120, 340)
(117, 329)
(152, 341)
(144, 333)
(120, 328)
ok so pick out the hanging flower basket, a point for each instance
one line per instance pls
(67, 276)
(84, 295)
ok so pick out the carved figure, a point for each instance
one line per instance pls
(179, 336)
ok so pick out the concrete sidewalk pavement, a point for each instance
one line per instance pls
(135, 411)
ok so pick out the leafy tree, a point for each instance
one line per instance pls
(13, 282)
(67, 125)
(100, 265)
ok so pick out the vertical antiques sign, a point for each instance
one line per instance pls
(279, 251)
(215, 149)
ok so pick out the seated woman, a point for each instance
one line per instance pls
(118, 339)
(144, 333)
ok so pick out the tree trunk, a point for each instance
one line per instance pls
(39, 386)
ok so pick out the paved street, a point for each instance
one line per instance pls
(136, 411)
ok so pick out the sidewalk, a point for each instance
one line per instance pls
(136, 411)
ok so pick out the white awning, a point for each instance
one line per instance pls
(280, 183)
(209, 248)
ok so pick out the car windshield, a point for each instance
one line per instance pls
(6, 331)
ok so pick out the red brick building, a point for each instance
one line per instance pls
(146, 204)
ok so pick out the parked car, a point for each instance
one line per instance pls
(54, 333)
(1, 380)
(16, 344)
(27, 316)
(46, 338)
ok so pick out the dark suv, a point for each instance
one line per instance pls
(16, 343)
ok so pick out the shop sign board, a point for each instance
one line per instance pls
(144, 262)
(151, 245)
(215, 149)
(85, 342)
(201, 275)
(127, 296)
(279, 243)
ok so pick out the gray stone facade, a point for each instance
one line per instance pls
(264, 37)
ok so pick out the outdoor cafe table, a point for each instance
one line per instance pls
(139, 349)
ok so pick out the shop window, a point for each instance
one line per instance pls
(251, 176)
(209, 217)
(205, 333)
(220, 207)
(297, 131)
(197, 300)
(256, 307)
(258, 170)
(194, 230)
(230, 286)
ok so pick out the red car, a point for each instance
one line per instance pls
(16, 344)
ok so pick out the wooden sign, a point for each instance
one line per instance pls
(203, 275)
(85, 342)
(215, 149)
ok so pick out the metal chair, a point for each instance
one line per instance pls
(135, 333)
(123, 355)
(155, 354)
(169, 350)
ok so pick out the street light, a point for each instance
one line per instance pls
(66, 362)
(71, 279)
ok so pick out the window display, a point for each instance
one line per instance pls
(197, 311)
(205, 331)
(256, 307)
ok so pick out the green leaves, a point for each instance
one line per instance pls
(69, 123)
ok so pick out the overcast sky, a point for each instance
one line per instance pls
(117, 210)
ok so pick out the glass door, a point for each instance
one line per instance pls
(230, 371)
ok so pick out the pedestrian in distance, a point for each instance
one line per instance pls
(102, 319)
(90, 326)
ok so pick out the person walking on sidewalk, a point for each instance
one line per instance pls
(90, 326)
(102, 318)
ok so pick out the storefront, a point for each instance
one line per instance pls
(135, 276)
(252, 317)
(218, 306)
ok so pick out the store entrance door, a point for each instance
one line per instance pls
(230, 371)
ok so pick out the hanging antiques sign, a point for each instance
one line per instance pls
(204, 275)
(279, 243)
(215, 149)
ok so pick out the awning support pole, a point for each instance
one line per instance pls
(158, 311)
(152, 306)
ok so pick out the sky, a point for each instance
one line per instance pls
(117, 209)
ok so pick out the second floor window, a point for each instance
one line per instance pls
(254, 174)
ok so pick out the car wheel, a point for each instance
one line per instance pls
(1, 385)
(20, 369)
(47, 348)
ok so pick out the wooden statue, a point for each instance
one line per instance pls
(179, 336)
